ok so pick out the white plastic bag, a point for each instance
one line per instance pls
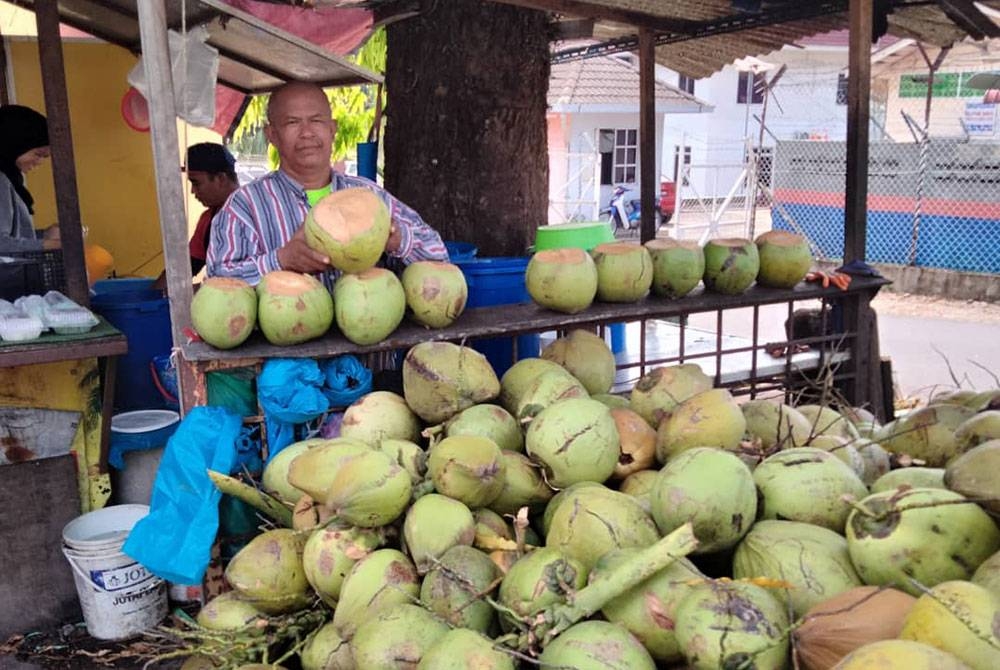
(194, 90)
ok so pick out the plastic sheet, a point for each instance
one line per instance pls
(346, 380)
(289, 391)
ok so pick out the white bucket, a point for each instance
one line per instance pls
(119, 597)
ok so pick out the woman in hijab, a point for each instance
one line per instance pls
(24, 144)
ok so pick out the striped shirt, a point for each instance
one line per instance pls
(260, 217)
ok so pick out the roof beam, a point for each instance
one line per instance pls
(592, 10)
(969, 18)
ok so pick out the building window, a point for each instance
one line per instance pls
(686, 84)
(841, 89)
(756, 95)
(619, 149)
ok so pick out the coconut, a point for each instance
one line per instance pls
(539, 579)
(268, 572)
(523, 485)
(312, 469)
(777, 426)
(807, 485)
(921, 535)
(520, 376)
(987, 574)
(842, 449)
(587, 357)
(559, 498)
(912, 477)
(461, 649)
(547, 389)
(987, 400)
(369, 490)
(369, 305)
(596, 645)
(678, 266)
(224, 311)
(576, 440)
(468, 468)
(292, 308)
(876, 460)
(812, 561)
(436, 292)
(397, 638)
(974, 475)
(326, 650)
(649, 610)
(636, 443)
(828, 421)
(434, 524)
(837, 626)
(711, 488)
(440, 379)
(710, 419)
(309, 514)
(785, 258)
(351, 226)
(899, 655)
(331, 552)
(731, 265)
(725, 624)
(274, 479)
(593, 521)
(977, 429)
(624, 271)
(564, 280)
(376, 583)
(611, 400)
(228, 611)
(199, 662)
(662, 389)
(959, 618)
(640, 486)
(927, 434)
(490, 421)
(456, 587)
(380, 415)
(408, 456)
(959, 397)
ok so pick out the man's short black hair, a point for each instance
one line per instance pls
(211, 158)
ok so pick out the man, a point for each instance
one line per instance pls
(260, 229)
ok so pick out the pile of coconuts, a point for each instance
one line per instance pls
(569, 280)
(539, 521)
(351, 227)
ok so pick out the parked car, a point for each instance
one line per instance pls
(668, 194)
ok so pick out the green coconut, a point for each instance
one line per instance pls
(546, 389)
(899, 655)
(828, 421)
(468, 468)
(596, 645)
(724, 625)
(959, 618)
(785, 258)
(807, 485)
(711, 488)
(575, 440)
(519, 377)
(455, 589)
(593, 521)
(977, 429)
(407, 455)
(777, 426)
(636, 443)
(380, 415)
(396, 638)
(224, 311)
(523, 485)
(462, 649)
(587, 357)
(842, 449)
(974, 475)
(876, 460)
(539, 579)
(927, 536)
(490, 421)
(624, 271)
(326, 649)
(661, 390)
(911, 477)
(369, 490)
(987, 400)
(369, 305)
(710, 419)
(927, 434)
(436, 292)
(433, 525)
(612, 400)
(376, 583)
(292, 308)
(351, 226)
(987, 574)
(268, 572)
(312, 469)
(731, 265)
(228, 611)
(640, 486)
(559, 498)
(813, 562)
(274, 479)
(331, 552)
(563, 280)
(678, 266)
(440, 379)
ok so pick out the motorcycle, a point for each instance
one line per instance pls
(624, 212)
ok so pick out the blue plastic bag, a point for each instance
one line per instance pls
(289, 393)
(175, 540)
(346, 380)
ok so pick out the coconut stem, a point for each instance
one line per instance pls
(252, 496)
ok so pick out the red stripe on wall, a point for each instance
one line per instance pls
(894, 203)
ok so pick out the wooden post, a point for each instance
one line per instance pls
(50, 58)
(648, 169)
(858, 94)
(169, 185)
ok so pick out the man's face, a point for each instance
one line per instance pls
(301, 128)
(210, 189)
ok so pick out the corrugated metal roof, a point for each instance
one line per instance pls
(610, 80)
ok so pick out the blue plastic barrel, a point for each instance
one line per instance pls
(143, 316)
(499, 281)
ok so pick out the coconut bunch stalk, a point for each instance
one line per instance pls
(259, 500)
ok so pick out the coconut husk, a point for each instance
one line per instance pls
(836, 627)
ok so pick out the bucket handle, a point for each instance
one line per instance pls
(78, 570)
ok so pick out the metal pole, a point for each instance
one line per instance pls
(647, 133)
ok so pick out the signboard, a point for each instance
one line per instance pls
(980, 119)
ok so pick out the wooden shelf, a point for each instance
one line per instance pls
(101, 342)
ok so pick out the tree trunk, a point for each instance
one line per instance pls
(465, 137)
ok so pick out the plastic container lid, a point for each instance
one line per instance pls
(581, 235)
(143, 420)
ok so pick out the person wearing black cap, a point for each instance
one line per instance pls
(24, 144)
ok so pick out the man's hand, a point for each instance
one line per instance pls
(298, 256)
